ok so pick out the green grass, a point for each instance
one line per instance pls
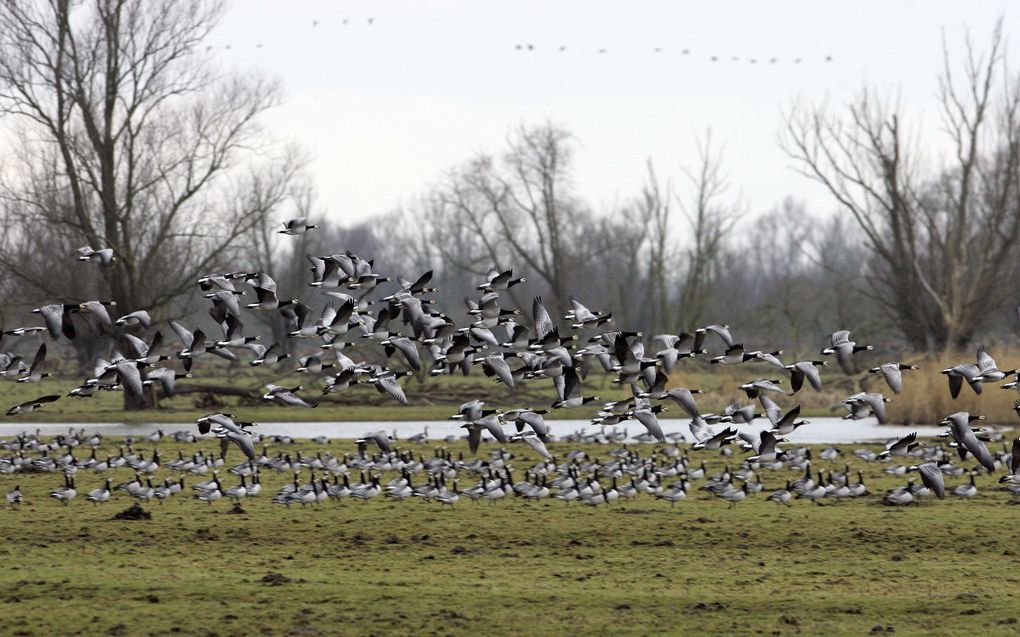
(516, 568)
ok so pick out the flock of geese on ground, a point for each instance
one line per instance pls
(363, 336)
(667, 472)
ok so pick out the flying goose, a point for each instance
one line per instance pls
(104, 256)
(227, 430)
(684, 397)
(58, 319)
(285, 396)
(166, 377)
(380, 438)
(534, 441)
(34, 373)
(959, 373)
(583, 317)
(931, 476)
(843, 348)
(901, 447)
(959, 424)
(805, 370)
(570, 395)
(138, 317)
(497, 281)
(32, 405)
(267, 355)
(988, 369)
(296, 226)
(386, 383)
(892, 373)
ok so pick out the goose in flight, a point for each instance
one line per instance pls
(32, 405)
(34, 373)
(138, 317)
(58, 319)
(583, 317)
(988, 369)
(931, 476)
(534, 441)
(802, 370)
(901, 447)
(1013, 477)
(297, 226)
(285, 396)
(965, 437)
(496, 281)
(386, 383)
(843, 348)
(104, 257)
(892, 373)
(380, 438)
(228, 431)
(94, 312)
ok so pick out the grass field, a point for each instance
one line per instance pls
(509, 568)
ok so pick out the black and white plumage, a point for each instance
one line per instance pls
(224, 427)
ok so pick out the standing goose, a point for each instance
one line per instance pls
(966, 490)
(100, 495)
(65, 493)
(781, 496)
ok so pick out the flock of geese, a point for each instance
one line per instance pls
(531, 47)
(365, 335)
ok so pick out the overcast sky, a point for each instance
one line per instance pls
(384, 108)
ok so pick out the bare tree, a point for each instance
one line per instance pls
(516, 210)
(654, 204)
(943, 239)
(710, 217)
(130, 140)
